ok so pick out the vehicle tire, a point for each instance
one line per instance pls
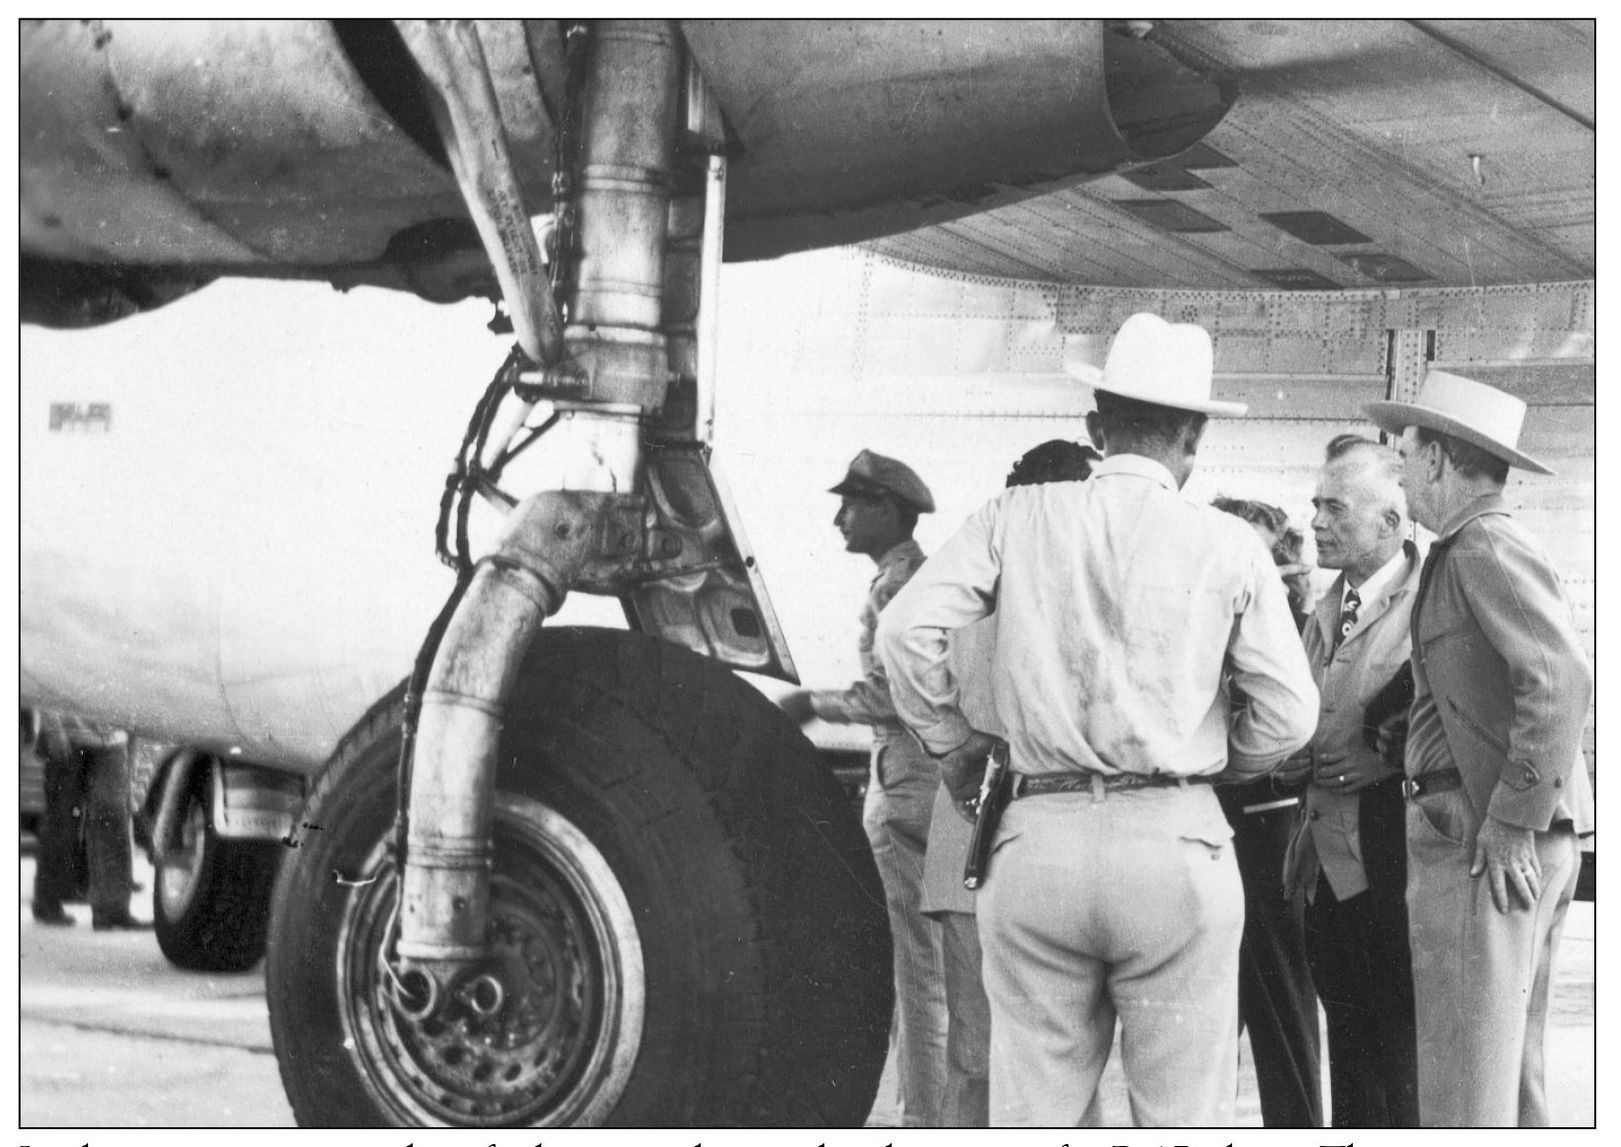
(211, 896)
(682, 889)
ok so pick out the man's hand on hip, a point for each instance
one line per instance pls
(1294, 770)
(963, 768)
(1508, 857)
(1340, 773)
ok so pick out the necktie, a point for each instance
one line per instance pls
(1353, 602)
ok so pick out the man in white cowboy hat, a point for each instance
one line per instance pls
(1496, 785)
(879, 502)
(1144, 647)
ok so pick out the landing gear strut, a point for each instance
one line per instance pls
(628, 892)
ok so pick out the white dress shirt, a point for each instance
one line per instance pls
(1370, 589)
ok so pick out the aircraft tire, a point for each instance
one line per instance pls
(706, 897)
(211, 899)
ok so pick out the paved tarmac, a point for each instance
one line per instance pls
(110, 1035)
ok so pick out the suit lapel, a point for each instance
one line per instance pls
(1372, 610)
(1327, 616)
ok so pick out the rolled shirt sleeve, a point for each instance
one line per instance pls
(1269, 671)
(957, 586)
(867, 701)
(864, 702)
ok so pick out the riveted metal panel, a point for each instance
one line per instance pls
(1246, 354)
(1555, 382)
(1547, 307)
(1409, 359)
(1524, 342)
(1269, 396)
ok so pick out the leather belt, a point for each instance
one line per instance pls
(1424, 784)
(1034, 786)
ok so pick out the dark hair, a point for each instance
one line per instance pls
(1057, 460)
(1342, 444)
(907, 513)
(1287, 550)
(1258, 514)
(1130, 421)
(1467, 459)
(1286, 545)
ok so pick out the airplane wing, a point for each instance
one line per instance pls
(1358, 154)
(1201, 154)
(156, 156)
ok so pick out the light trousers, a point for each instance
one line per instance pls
(900, 798)
(1126, 904)
(966, 1101)
(1481, 978)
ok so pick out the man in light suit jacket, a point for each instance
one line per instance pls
(1496, 783)
(1348, 858)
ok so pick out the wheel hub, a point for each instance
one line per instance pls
(533, 1035)
(533, 1043)
(177, 874)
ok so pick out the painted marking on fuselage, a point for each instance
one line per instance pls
(76, 417)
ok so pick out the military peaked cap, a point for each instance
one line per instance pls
(871, 473)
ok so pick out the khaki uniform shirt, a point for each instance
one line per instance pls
(867, 701)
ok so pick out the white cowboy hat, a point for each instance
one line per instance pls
(1476, 413)
(1168, 364)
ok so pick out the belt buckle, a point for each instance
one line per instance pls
(1410, 788)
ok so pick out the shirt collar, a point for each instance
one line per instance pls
(1370, 589)
(1137, 466)
(899, 552)
(1485, 504)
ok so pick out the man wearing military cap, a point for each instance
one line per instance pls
(1495, 785)
(880, 500)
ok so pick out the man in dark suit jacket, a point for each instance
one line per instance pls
(1277, 1005)
(1495, 778)
(1348, 859)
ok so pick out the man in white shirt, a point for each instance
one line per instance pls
(945, 899)
(1144, 647)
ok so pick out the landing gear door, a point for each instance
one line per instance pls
(701, 585)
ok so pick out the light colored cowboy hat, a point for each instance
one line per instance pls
(1451, 404)
(1168, 364)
